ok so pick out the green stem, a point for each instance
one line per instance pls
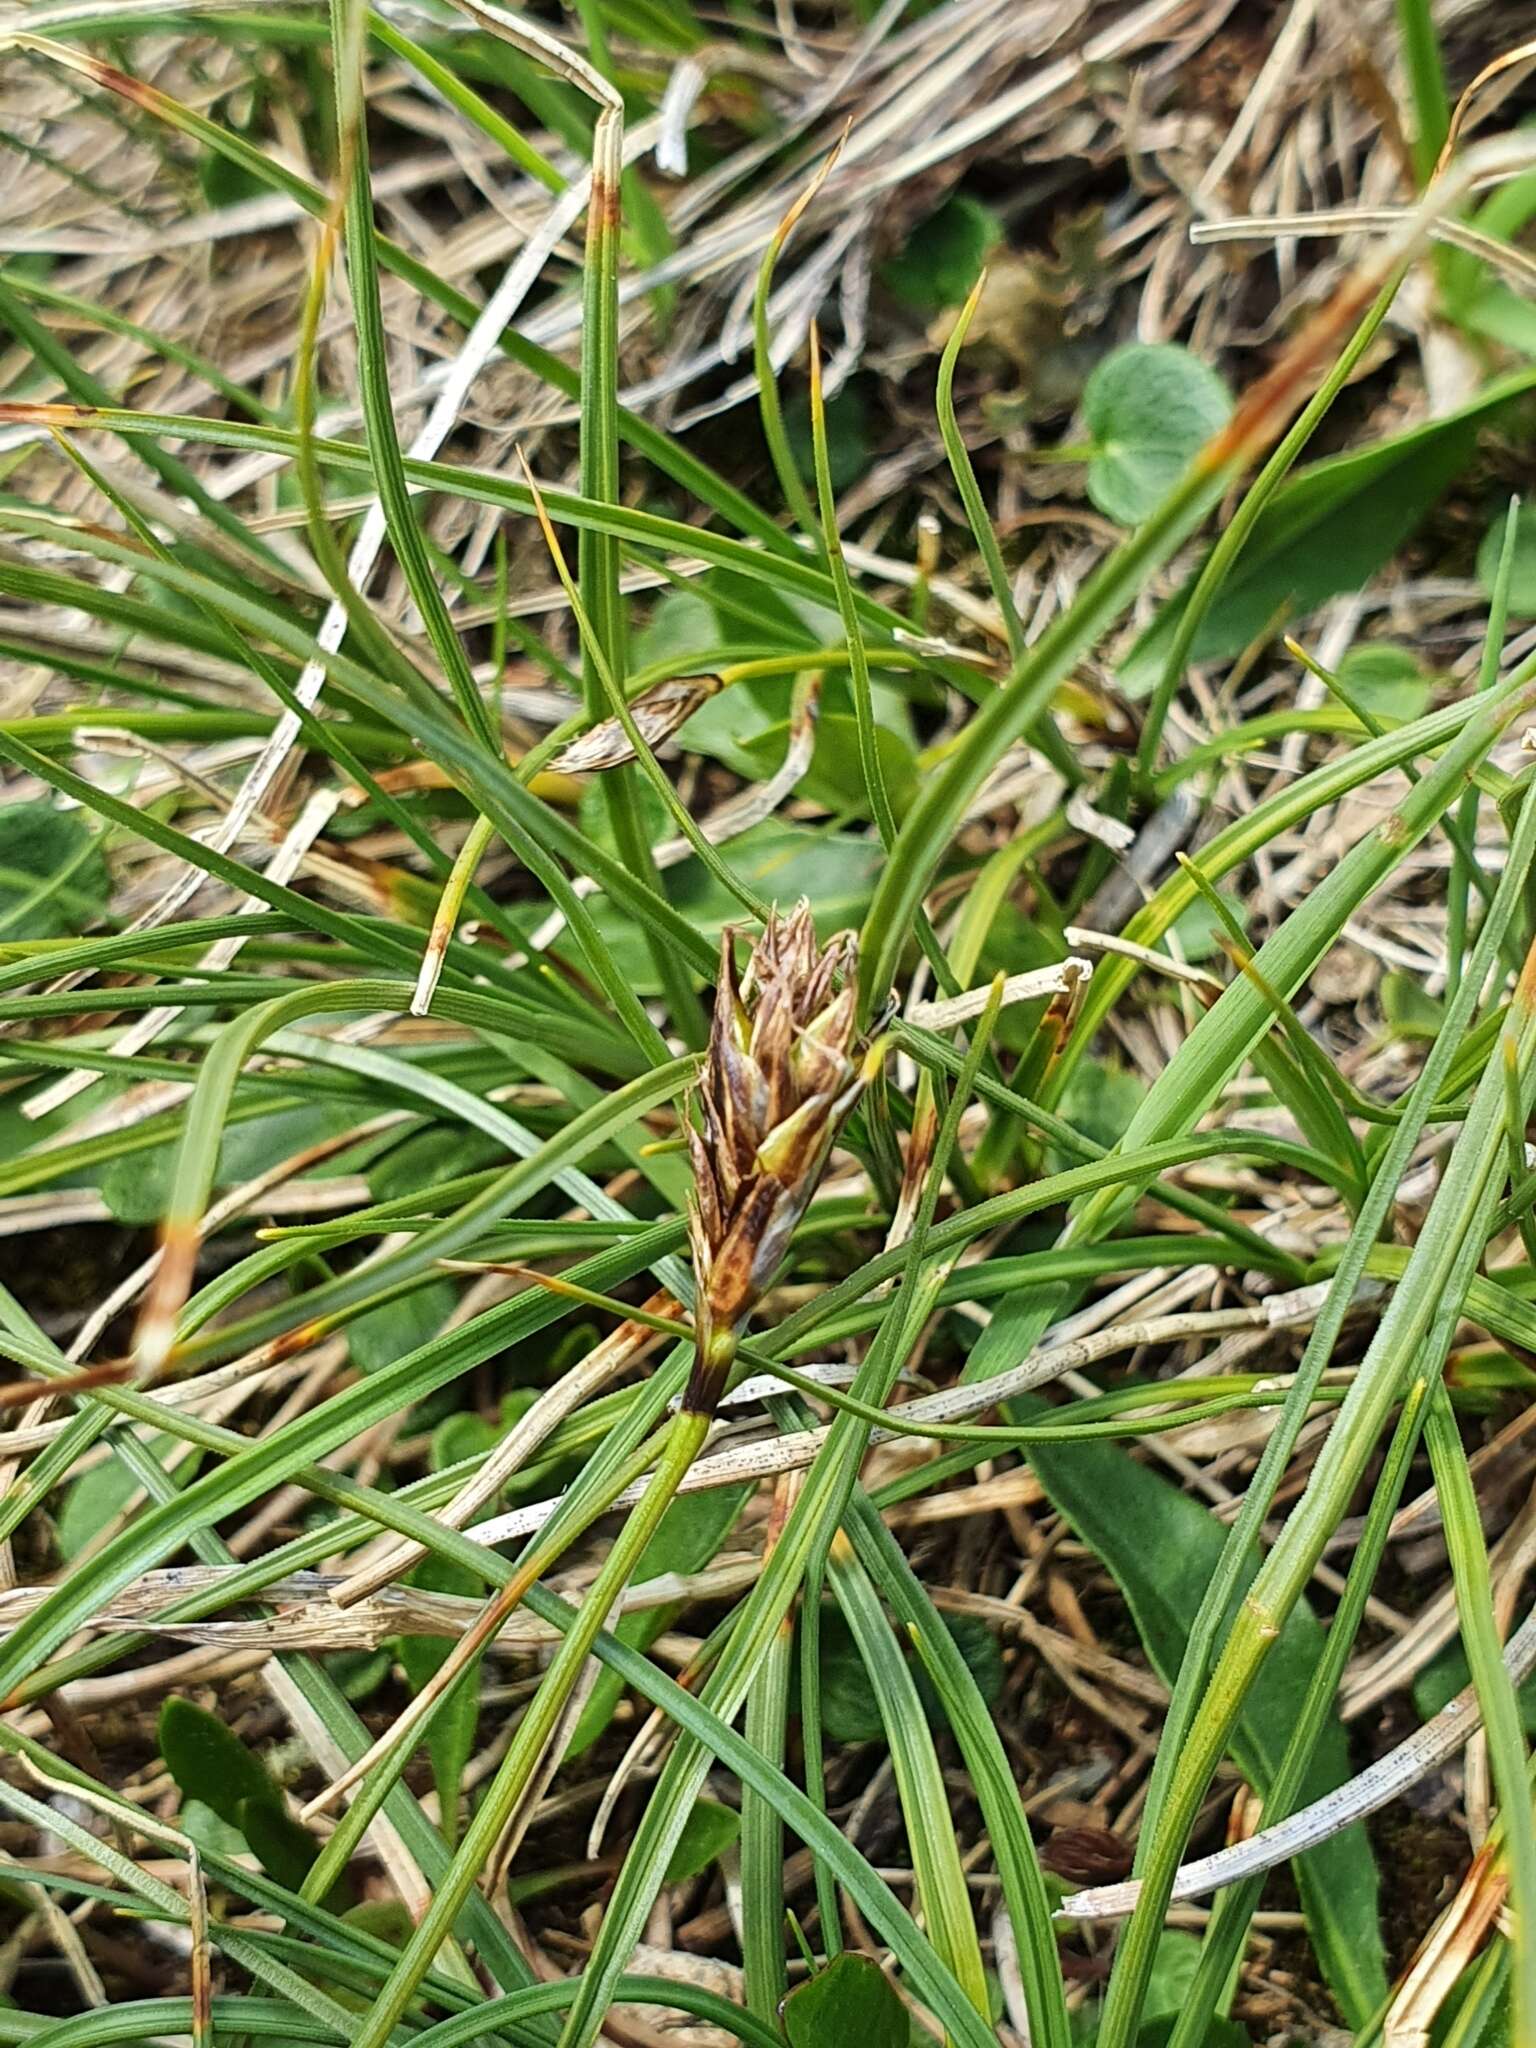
(1443, 1267)
(534, 1733)
(1228, 1926)
(1465, 871)
(1426, 81)
(762, 1836)
(1496, 1696)
(556, 1539)
(1218, 563)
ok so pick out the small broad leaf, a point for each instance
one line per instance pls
(211, 1764)
(747, 729)
(1327, 529)
(1150, 407)
(89, 1504)
(850, 1711)
(943, 256)
(708, 1832)
(851, 2001)
(53, 879)
(978, 1647)
(835, 871)
(281, 1845)
(834, 777)
(215, 1772)
(465, 1434)
(358, 1674)
(683, 624)
(385, 1919)
(1099, 1100)
(461, 1436)
(223, 180)
(1173, 1972)
(137, 1188)
(1016, 944)
(426, 1157)
(378, 1338)
(1386, 680)
(202, 1825)
(1409, 1011)
(1446, 1675)
(729, 723)
(1197, 930)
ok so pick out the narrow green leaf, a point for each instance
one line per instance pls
(1163, 1546)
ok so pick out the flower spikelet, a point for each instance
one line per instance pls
(779, 1080)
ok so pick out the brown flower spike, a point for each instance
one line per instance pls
(778, 1082)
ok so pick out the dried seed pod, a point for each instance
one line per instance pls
(657, 715)
(1087, 1855)
(779, 1080)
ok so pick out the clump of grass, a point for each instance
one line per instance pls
(532, 1288)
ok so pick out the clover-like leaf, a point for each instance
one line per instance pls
(1150, 407)
(850, 2000)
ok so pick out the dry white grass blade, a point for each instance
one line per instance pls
(1111, 832)
(794, 1450)
(1147, 956)
(1065, 979)
(687, 81)
(1352, 220)
(1387, 1779)
(310, 1620)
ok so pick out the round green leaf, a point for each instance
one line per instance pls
(1388, 680)
(943, 256)
(1150, 407)
(850, 2001)
(53, 880)
(708, 1832)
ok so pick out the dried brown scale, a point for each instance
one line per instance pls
(778, 1082)
(656, 716)
(1087, 1855)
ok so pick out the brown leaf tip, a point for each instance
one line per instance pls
(33, 413)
